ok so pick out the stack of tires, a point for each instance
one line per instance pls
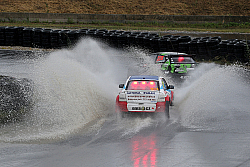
(113, 39)
(45, 38)
(2, 36)
(27, 37)
(91, 33)
(131, 39)
(155, 44)
(247, 51)
(192, 45)
(100, 34)
(147, 40)
(212, 47)
(183, 44)
(122, 40)
(139, 40)
(202, 49)
(20, 36)
(37, 34)
(236, 50)
(206, 48)
(82, 33)
(174, 43)
(72, 37)
(223, 49)
(239, 52)
(55, 37)
(64, 40)
(230, 50)
(11, 36)
(107, 37)
(165, 43)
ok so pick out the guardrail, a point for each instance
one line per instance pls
(205, 48)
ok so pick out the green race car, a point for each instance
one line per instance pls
(176, 64)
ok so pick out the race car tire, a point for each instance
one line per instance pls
(120, 115)
(167, 109)
(171, 102)
(123, 114)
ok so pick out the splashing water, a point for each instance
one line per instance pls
(75, 89)
(216, 99)
(72, 88)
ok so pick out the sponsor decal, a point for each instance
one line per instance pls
(140, 92)
(142, 97)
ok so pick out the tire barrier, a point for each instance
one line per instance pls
(55, 38)
(45, 38)
(36, 36)
(27, 37)
(10, 36)
(205, 48)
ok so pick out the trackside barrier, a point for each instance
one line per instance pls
(205, 48)
(27, 37)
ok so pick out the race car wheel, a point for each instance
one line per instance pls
(120, 115)
(123, 114)
(170, 102)
(167, 109)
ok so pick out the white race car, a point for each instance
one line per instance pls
(145, 93)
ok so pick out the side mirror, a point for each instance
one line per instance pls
(170, 86)
(121, 85)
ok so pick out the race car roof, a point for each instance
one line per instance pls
(142, 77)
(171, 53)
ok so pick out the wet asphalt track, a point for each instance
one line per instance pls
(209, 124)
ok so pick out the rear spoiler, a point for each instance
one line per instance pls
(189, 55)
(170, 56)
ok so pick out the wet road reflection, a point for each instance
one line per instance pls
(144, 151)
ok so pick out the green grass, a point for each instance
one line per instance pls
(153, 26)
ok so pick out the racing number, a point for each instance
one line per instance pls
(160, 58)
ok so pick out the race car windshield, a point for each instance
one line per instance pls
(143, 85)
(182, 60)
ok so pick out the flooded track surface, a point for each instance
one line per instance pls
(73, 122)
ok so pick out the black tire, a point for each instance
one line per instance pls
(171, 102)
(167, 109)
(124, 114)
(120, 115)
